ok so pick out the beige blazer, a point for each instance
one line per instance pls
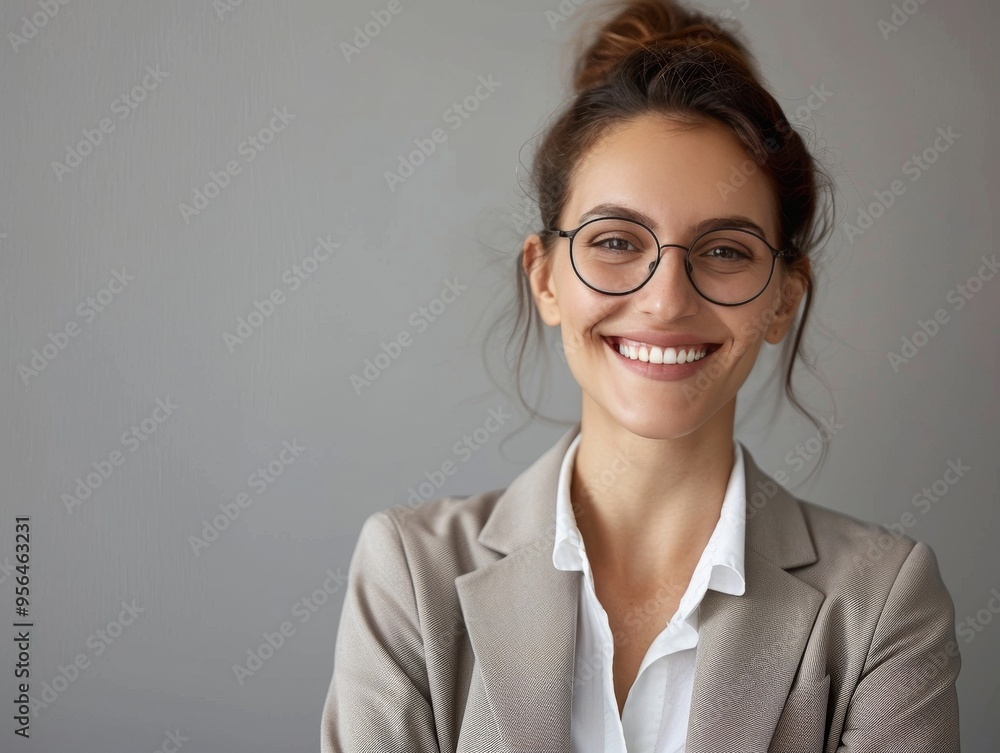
(458, 633)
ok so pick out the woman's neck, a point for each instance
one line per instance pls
(647, 507)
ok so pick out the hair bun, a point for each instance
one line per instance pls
(640, 24)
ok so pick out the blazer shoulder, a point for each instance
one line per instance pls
(441, 534)
(446, 517)
(850, 534)
(857, 555)
(873, 578)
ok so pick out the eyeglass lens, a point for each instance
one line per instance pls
(728, 266)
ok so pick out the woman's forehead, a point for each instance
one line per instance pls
(675, 173)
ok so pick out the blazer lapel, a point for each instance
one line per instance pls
(750, 646)
(521, 616)
(520, 612)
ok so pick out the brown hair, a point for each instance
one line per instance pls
(654, 56)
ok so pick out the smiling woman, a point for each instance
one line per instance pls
(621, 595)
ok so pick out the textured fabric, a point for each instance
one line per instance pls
(458, 633)
(655, 715)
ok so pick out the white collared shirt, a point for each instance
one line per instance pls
(655, 716)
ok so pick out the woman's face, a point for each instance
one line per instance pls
(678, 177)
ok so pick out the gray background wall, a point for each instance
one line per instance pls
(220, 74)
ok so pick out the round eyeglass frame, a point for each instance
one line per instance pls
(775, 253)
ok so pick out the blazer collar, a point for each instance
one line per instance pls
(521, 616)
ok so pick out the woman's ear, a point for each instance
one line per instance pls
(794, 282)
(538, 268)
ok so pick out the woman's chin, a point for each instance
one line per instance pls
(660, 422)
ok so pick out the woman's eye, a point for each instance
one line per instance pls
(726, 252)
(616, 244)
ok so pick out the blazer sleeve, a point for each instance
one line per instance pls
(379, 698)
(906, 700)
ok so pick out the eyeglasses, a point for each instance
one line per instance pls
(617, 256)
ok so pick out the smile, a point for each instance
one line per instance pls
(680, 354)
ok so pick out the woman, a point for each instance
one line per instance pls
(644, 586)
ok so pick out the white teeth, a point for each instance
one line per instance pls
(656, 354)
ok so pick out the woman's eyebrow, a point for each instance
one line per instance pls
(737, 220)
(618, 210)
(608, 209)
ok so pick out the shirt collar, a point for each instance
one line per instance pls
(724, 550)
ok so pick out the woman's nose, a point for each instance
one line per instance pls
(668, 293)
